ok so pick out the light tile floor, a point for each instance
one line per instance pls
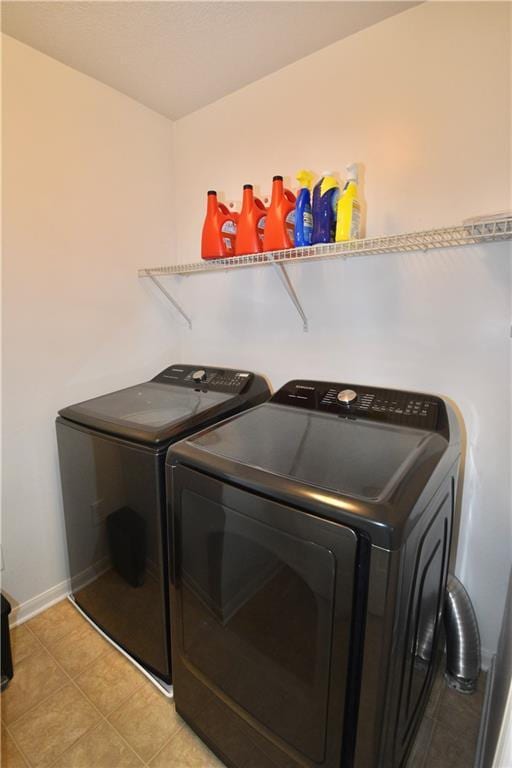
(75, 702)
(448, 734)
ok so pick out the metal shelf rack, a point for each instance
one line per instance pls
(470, 233)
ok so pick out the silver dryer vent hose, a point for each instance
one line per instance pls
(462, 638)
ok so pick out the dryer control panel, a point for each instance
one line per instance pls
(202, 377)
(354, 401)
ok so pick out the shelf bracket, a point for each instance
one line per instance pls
(170, 298)
(290, 290)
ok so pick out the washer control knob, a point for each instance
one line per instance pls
(199, 375)
(346, 396)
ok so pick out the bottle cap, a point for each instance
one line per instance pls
(352, 172)
(248, 186)
(277, 178)
(305, 178)
(212, 192)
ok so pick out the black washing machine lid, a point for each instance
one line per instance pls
(166, 408)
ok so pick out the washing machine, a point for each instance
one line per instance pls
(310, 541)
(112, 464)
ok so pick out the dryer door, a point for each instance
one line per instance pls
(262, 607)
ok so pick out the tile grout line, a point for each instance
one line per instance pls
(174, 734)
(104, 717)
(77, 687)
(47, 648)
(121, 704)
(107, 721)
(30, 763)
(8, 726)
(44, 648)
(24, 758)
(40, 649)
(120, 734)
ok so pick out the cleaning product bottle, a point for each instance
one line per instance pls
(251, 223)
(303, 213)
(348, 223)
(325, 198)
(219, 230)
(280, 224)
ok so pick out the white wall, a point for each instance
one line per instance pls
(89, 196)
(405, 98)
(87, 200)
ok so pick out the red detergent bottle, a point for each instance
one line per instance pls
(219, 230)
(251, 223)
(280, 223)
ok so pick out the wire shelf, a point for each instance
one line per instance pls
(482, 231)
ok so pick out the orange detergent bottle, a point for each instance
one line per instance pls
(251, 224)
(219, 230)
(280, 223)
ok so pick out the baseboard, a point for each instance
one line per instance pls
(24, 611)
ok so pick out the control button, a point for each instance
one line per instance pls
(199, 375)
(346, 396)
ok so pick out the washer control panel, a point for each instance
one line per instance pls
(202, 378)
(352, 401)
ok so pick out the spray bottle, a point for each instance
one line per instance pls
(348, 226)
(303, 212)
(325, 198)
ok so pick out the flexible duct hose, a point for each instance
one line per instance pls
(462, 638)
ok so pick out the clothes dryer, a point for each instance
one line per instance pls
(311, 540)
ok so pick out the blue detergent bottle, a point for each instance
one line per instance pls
(325, 200)
(303, 212)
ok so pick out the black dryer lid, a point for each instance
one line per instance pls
(350, 465)
(360, 459)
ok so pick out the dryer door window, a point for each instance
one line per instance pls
(265, 598)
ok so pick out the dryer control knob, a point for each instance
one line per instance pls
(199, 375)
(346, 396)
